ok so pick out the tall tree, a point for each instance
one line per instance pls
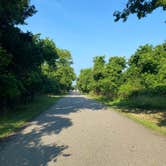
(98, 73)
(61, 75)
(85, 80)
(14, 12)
(28, 64)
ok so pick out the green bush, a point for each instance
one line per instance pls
(128, 88)
(159, 90)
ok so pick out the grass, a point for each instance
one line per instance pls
(17, 118)
(151, 121)
(149, 111)
(142, 102)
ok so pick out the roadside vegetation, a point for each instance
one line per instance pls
(136, 86)
(18, 117)
(30, 66)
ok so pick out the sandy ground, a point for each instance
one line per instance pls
(80, 132)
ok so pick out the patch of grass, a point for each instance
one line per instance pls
(18, 117)
(142, 102)
(101, 99)
(152, 120)
(149, 111)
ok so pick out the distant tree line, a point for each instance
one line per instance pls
(29, 65)
(143, 73)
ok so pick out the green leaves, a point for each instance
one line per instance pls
(29, 65)
(85, 80)
(139, 7)
(145, 71)
(103, 78)
(49, 51)
(14, 12)
(61, 76)
(9, 86)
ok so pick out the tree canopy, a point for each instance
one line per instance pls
(144, 71)
(139, 7)
(29, 65)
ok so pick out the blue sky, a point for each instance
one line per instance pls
(87, 28)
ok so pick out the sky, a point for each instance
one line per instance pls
(87, 28)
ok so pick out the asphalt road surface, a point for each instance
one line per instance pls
(78, 131)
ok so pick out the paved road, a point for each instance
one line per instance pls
(80, 132)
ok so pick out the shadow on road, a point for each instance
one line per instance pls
(28, 149)
(75, 104)
(127, 108)
(36, 145)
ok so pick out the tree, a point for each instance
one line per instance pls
(145, 73)
(8, 83)
(98, 73)
(144, 59)
(16, 49)
(61, 74)
(49, 51)
(64, 74)
(113, 75)
(139, 7)
(14, 12)
(29, 65)
(85, 80)
(98, 67)
(103, 78)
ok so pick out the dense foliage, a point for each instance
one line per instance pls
(29, 65)
(144, 73)
(139, 7)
